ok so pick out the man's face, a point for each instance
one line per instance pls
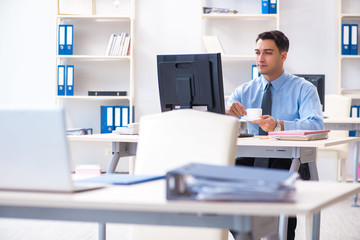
(269, 59)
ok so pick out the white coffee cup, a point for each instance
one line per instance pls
(253, 113)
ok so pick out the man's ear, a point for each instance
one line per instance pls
(283, 55)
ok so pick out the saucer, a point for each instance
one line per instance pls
(249, 119)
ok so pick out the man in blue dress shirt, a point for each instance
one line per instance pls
(294, 101)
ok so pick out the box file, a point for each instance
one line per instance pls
(107, 119)
(265, 7)
(61, 80)
(113, 117)
(255, 72)
(354, 113)
(125, 115)
(70, 80)
(354, 39)
(273, 7)
(69, 40)
(345, 39)
(117, 117)
(61, 40)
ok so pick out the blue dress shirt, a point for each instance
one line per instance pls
(294, 100)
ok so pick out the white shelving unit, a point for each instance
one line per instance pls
(237, 33)
(94, 71)
(348, 65)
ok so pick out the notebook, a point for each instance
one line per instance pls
(34, 152)
(302, 135)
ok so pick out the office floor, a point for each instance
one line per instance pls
(339, 222)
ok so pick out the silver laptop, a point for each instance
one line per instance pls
(34, 151)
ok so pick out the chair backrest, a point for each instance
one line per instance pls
(337, 106)
(172, 139)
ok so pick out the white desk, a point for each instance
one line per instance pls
(347, 124)
(122, 146)
(146, 204)
(299, 151)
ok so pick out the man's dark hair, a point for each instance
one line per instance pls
(281, 41)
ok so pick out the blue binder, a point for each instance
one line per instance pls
(273, 6)
(354, 113)
(117, 117)
(125, 116)
(69, 40)
(254, 72)
(107, 119)
(345, 39)
(62, 40)
(61, 80)
(70, 80)
(354, 39)
(265, 7)
(121, 179)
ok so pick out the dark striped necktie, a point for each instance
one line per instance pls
(266, 110)
(266, 105)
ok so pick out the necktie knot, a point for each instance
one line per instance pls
(267, 87)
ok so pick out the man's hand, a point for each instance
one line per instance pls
(236, 109)
(267, 123)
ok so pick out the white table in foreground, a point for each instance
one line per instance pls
(298, 151)
(146, 204)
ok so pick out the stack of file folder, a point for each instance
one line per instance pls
(301, 135)
(230, 183)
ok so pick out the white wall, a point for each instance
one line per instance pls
(27, 51)
(28, 46)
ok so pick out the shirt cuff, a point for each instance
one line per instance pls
(289, 125)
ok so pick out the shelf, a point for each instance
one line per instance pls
(350, 56)
(94, 57)
(352, 93)
(95, 97)
(350, 15)
(238, 57)
(94, 17)
(230, 15)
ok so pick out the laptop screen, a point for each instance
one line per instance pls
(34, 151)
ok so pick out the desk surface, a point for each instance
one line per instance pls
(251, 141)
(341, 120)
(150, 197)
(106, 137)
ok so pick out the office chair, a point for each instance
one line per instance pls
(172, 139)
(337, 106)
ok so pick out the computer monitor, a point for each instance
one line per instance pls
(319, 81)
(191, 81)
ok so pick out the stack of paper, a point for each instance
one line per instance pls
(230, 183)
(212, 44)
(300, 134)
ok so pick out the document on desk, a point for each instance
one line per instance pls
(306, 135)
(121, 179)
(229, 183)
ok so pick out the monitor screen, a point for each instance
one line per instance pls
(319, 81)
(191, 81)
